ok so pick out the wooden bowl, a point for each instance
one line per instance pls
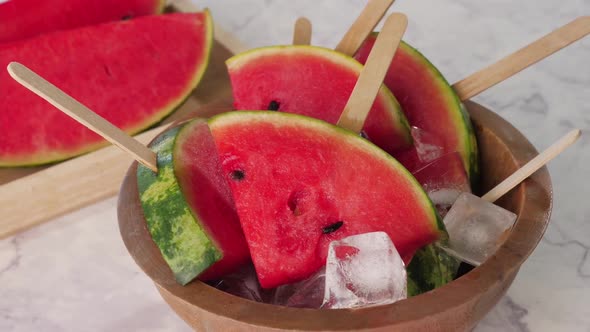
(454, 307)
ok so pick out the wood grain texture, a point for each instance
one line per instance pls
(457, 306)
(371, 78)
(302, 32)
(507, 67)
(363, 26)
(30, 196)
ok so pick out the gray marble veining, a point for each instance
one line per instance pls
(74, 274)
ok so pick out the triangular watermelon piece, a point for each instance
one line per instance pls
(188, 208)
(21, 19)
(316, 82)
(198, 170)
(299, 183)
(132, 73)
(430, 104)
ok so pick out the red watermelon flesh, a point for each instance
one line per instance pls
(132, 73)
(300, 183)
(315, 82)
(21, 19)
(198, 170)
(429, 103)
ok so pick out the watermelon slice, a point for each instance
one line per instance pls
(191, 217)
(312, 81)
(198, 169)
(299, 183)
(132, 73)
(429, 103)
(21, 19)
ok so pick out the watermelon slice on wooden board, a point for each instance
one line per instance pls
(312, 81)
(299, 183)
(191, 217)
(21, 19)
(132, 73)
(429, 103)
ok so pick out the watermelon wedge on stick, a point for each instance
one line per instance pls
(132, 73)
(188, 207)
(299, 183)
(312, 81)
(20, 19)
(430, 104)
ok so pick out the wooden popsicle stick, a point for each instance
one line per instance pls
(538, 50)
(532, 166)
(302, 32)
(363, 26)
(82, 114)
(369, 82)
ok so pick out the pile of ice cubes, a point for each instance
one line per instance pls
(361, 270)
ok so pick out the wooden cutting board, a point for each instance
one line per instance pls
(32, 195)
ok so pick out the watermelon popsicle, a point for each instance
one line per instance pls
(476, 226)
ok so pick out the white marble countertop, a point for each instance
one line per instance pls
(74, 274)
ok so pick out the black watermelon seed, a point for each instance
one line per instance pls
(363, 134)
(238, 175)
(273, 105)
(126, 17)
(107, 70)
(332, 228)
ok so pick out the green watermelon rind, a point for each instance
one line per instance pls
(430, 268)
(461, 116)
(184, 244)
(401, 123)
(352, 138)
(43, 158)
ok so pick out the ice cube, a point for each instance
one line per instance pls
(427, 145)
(242, 283)
(308, 293)
(476, 228)
(444, 179)
(364, 270)
(426, 148)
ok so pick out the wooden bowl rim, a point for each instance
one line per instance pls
(502, 266)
